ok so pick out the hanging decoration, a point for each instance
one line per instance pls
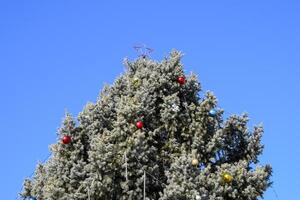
(213, 112)
(227, 178)
(181, 80)
(139, 124)
(201, 166)
(144, 185)
(126, 164)
(195, 162)
(66, 139)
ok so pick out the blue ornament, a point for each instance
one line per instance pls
(32, 198)
(201, 166)
(213, 112)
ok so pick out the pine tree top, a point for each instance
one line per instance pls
(152, 121)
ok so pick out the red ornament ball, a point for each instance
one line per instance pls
(66, 139)
(139, 124)
(181, 80)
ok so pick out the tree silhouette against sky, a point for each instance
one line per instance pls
(152, 136)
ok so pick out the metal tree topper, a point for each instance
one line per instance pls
(142, 50)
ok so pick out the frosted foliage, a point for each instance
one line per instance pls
(108, 155)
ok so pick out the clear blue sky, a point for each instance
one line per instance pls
(57, 55)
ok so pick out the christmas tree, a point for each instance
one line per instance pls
(152, 136)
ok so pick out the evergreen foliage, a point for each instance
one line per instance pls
(108, 154)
